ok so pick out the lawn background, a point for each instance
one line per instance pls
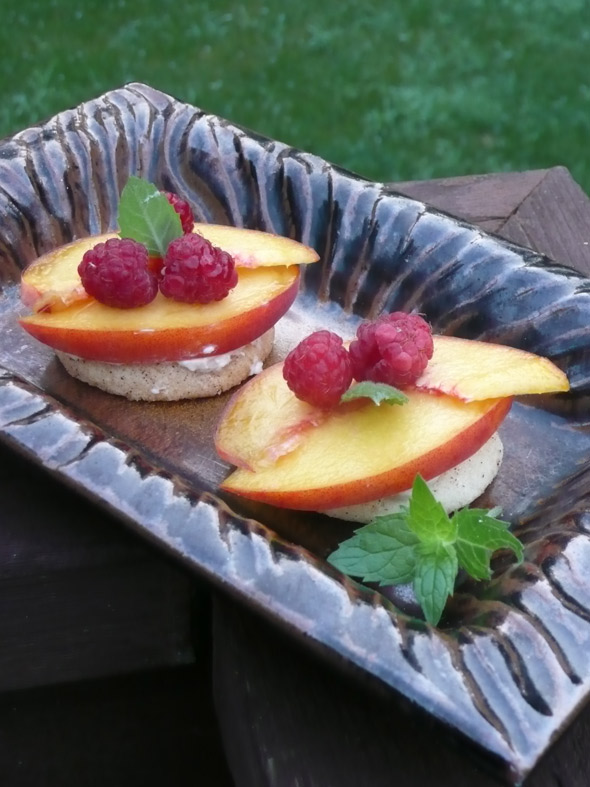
(393, 90)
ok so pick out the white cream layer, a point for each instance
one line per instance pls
(212, 363)
(173, 380)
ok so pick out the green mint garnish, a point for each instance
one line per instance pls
(145, 215)
(378, 392)
(434, 577)
(424, 546)
(479, 535)
(427, 517)
(383, 551)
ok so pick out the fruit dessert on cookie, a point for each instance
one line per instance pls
(412, 440)
(167, 308)
(303, 436)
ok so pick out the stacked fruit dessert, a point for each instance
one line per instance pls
(167, 309)
(303, 437)
(412, 440)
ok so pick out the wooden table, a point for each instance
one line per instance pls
(106, 648)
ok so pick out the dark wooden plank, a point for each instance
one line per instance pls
(46, 528)
(485, 200)
(286, 717)
(554, 218)
(289, 719)
(148, 730)
(542, 209)
(79, 596)
(92, 622)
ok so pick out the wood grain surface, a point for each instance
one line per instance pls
(288, 719)
(104, 649)
(80, 597)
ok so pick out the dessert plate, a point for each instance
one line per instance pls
(508, 665)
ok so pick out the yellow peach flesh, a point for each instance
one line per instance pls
(253, 248)
(249, 433)
(472, 370)
(168, 330)
(57, 271)
(353, 455)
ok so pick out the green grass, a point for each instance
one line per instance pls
(392, 89)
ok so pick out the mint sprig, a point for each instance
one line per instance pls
(424, 546)
(378, 392)
(145, 215)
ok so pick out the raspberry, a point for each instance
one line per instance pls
(197, 272)
(318, 370)
(116, 273)
(183, 209)
(394, 349)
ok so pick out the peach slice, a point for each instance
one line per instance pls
(247, 437)
(472, 370)
(353, 455)
(254, 248)
(467, 370)
(53, 279)
(166, 330)
(58, 300)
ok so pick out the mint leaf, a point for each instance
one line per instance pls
(377, 392)
(479, 535)
(436, 570)
(145, 215)
(425, 546)
(427, 517)
(474, 559)
(382, 551)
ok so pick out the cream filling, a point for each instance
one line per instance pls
(173, 380)
(213, 363)
(455, 488)
(203, 365)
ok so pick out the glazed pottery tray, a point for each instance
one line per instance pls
(508, 666)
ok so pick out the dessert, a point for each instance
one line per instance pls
(170, 309)
(399, 461)
(353, 459)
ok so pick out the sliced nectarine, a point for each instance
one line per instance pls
(254, 248)
(58, 300)
(467, 370)
(473, 370)
(54, 276)
(248, 437)
(166, 330)
(352, 455)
